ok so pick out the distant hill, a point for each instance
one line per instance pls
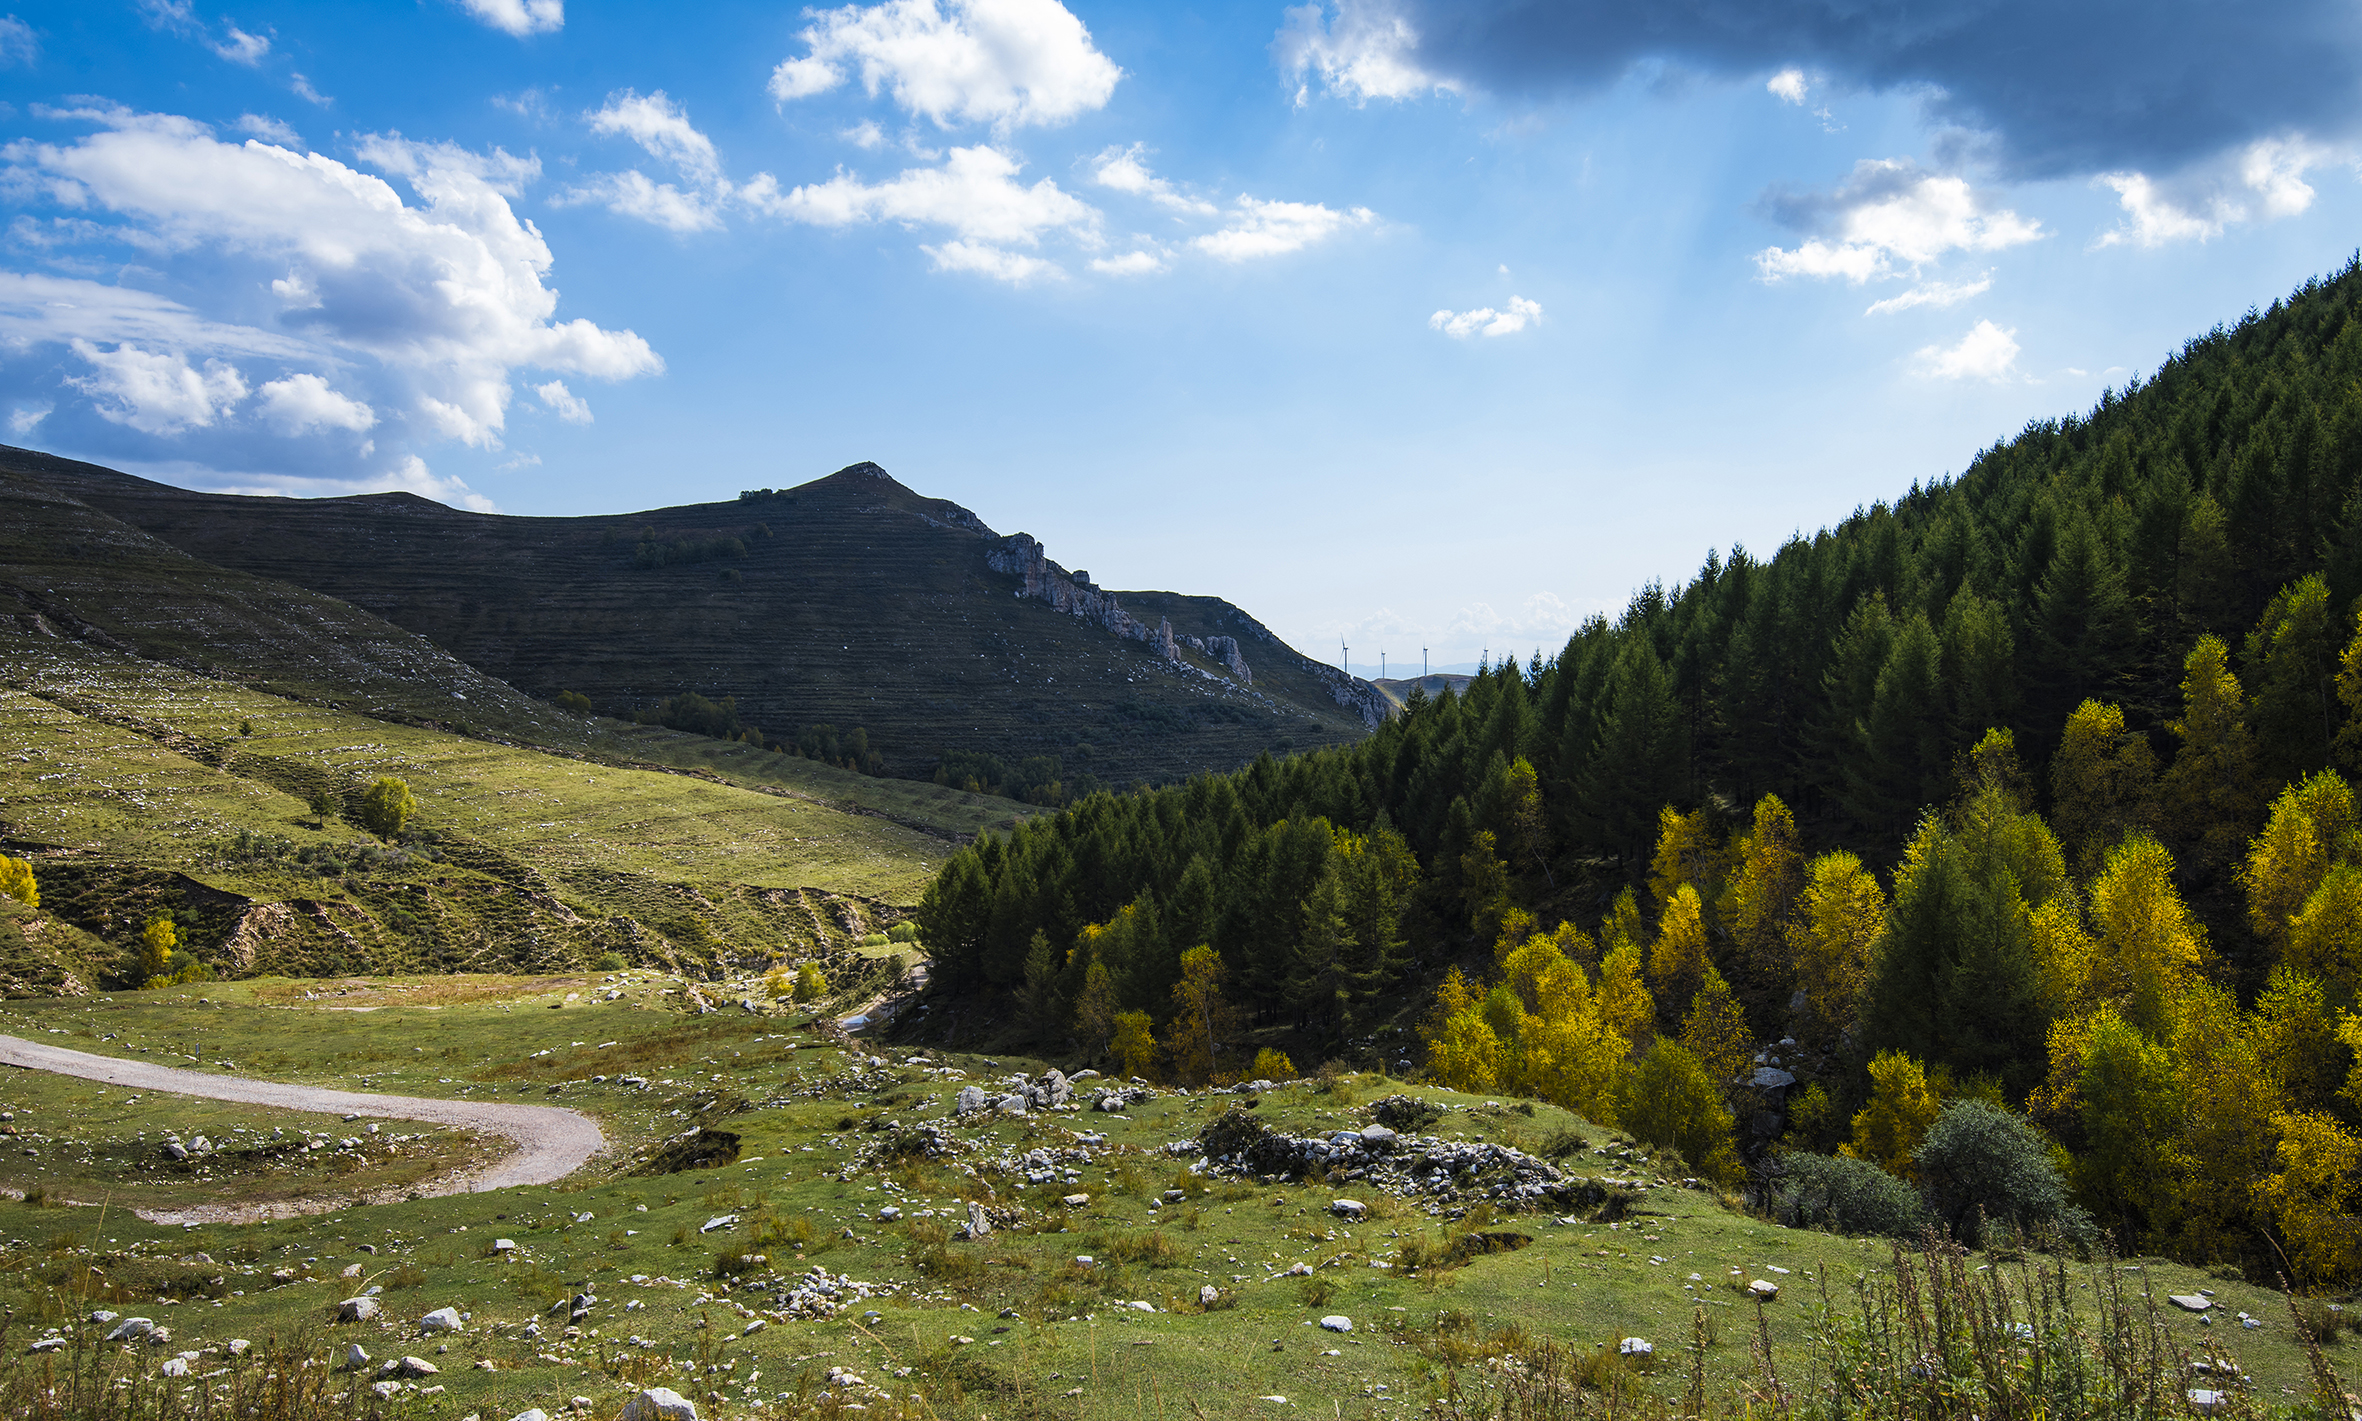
(850, 601)
(1398, 690)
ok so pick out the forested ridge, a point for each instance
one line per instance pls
(2025, 787)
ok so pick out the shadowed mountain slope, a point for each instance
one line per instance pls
(850, 601)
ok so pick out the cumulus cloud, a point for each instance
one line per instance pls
(442, 297)
(1258, 228)
(519, 17)
(1122, 170)
(632, 193)
(1485, 321)
(562, 400)
(25, 418)
(661, 128)
(1364, 52)
(2265, 180)
(1889, 213)
(156, 392)
(303, 403)
(1003, 62)
(1938, 294)
(1987, 352)
(2057, 89)
(975, 193)
(1789, 85)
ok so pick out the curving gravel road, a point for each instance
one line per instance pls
(551, 1142)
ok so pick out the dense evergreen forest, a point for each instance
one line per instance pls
(2026, 786)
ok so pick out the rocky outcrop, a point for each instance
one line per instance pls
(1021, 556)
(1355, 694)
(1226, 650)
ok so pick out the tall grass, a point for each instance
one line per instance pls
(1937, 1337)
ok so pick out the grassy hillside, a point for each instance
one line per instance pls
(81, 581)
(858, 1166)
(137, 788)
(850, 601)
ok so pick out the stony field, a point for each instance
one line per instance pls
(840, 1232)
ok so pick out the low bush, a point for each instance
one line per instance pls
(1847, 1196)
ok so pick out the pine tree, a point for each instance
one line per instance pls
(2209, 793)
(2292, 661)
(1640, 756)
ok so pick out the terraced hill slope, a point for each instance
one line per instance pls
(83, 582)
(850, 601)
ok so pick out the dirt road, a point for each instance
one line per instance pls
(551, 1143)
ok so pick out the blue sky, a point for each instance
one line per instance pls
(1408, 322)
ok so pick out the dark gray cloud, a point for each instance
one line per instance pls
(2062, 87)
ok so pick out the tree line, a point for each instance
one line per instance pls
(2001, 751)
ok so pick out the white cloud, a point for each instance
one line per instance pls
(1891, 213)
(983, 259)
(520, 461)
(2265, 180)
(1135, 263)
(269, 130)
(1003, 62)
(632, 193)
(975, 194)
(865, 135)
(1789, 85)
(303, 403)
(1368, 51)
(1938, 294)
(447, 295)
(241, 47)
(1268, 229)
(519, 17)
(156, 392)
(1484, 320)
(1987, 352)
(559, 398)
(56, 310)
(304, 90)
(1544, 616)
(662, 127)
(17, 46)
(23, 418)
(1122, 170)
(407, 475)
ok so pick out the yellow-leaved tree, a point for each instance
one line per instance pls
(1686, 855)
(1625, 1006)
(2149, 945)
(1715, 1031)
(16, 881)
(1134, 1045)
(1677, 960)
(1902, 1109)
(1463, 1051)
(2311, 829)
(1199, 1016)
(2311, 1195)
(2103, 784)
(1767, 875)
(1839, 915)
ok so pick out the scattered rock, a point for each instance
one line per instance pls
(971, 1100)
(416, 1367)
(1208, 1295)
(1336, 1322)
(2207, 1402)
(719, 1221)
(46, 1344)
(531, 1414)
(131, 1329)
(362, 1309)
(1075, 1201)
(659, 1403)
(2190, 1302)
(504, 1245)
(441, 1320)
(1348, 1208)
(355, 1357)
(1764, 1289)
(979, 1221)
(1635, 1347)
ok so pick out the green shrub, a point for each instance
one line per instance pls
(1847, 1196)
(903, 932)
(1668, 1099)
(1981, 1165)
(386, 806)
